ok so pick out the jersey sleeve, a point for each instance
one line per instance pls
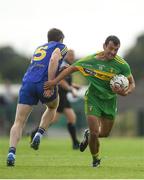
(83, 61)
(126, 71)
(63, 48)
(76, 63)
(79, 62)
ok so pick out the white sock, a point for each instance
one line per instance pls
(38, 134)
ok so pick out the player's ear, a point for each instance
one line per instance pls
(61, 40)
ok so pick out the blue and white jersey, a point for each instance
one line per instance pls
(38, 69)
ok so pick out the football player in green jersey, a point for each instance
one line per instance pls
(100, 98)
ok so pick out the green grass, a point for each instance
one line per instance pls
(121, 158)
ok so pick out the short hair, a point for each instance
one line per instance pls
(112, 38)
(55, 35)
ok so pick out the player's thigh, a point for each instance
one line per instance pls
(106, 127)
(70, 115)
(22, 113)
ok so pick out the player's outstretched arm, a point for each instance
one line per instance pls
(50, 84)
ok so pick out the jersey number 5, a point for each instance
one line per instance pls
(40, 53)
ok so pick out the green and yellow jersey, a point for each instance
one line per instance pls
(99, 73)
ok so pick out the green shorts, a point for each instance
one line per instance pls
(106, 108)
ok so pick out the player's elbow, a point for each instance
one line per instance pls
(134, 86)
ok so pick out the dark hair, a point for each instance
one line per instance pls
(55, 35)
(112, 38)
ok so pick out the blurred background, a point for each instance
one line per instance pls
(86, 24)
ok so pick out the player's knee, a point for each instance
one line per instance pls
(94, 134)
(71, 119)
(20, 121)
(16, 126)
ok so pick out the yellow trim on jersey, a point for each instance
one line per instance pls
(99, 74)
(119, 59)
(116, 58)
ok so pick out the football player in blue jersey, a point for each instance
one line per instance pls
(64, 107)
(44, 66)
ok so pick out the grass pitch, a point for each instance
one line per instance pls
(121, 158)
